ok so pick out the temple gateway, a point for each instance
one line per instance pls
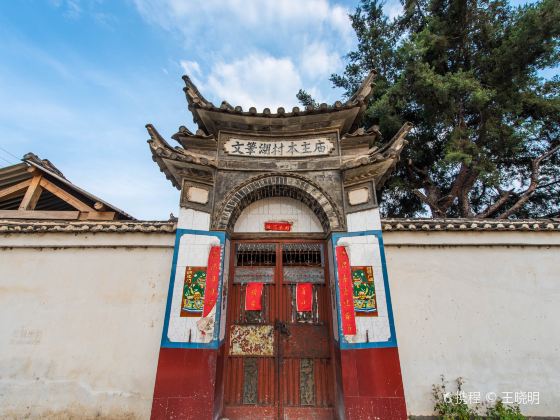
(278, 302)
(268, 297)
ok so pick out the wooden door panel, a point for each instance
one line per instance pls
(295, 383)
(306, 341)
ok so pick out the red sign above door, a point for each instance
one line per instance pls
(278, 226)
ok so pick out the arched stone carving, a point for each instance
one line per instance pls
(279, 185)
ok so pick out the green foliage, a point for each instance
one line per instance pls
(306, 99)
(501, 411)
(466, 74)
(449, 405)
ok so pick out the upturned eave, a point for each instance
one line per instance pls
(170, 160)
(377, 163)
(341, 116)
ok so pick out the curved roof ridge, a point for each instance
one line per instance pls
(197, 103)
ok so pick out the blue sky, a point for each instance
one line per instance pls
(79, 79)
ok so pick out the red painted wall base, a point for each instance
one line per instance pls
(185, 384)
(372, 384)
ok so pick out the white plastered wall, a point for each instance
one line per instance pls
(82, 315)
(253, 217)
(483, 306)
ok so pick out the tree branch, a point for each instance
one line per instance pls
(490, 210)
(535, 172)
(433, 194)
(436, 211)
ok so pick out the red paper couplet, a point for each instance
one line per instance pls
(253, 295)
(304, 297)
(346, 291)
(212, 279)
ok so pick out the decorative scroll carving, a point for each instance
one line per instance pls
(253, 274)
(250, 380)
(306, 382)
(248, 247)
(304, 275)
(302, 247)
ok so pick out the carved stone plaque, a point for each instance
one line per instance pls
(358, 196)
(317, 146)
(197, 195)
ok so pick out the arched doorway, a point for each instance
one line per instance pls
(278, 353)
(293, 186)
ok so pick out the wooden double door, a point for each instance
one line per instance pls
(278, 359)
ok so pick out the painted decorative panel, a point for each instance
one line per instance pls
(193, 291)
(251, 340)
(365, 300)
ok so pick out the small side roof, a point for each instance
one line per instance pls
(36, 188)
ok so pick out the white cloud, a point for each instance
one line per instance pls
(71, 8)
(263, 14)
(190, 67)
(393, 8)
(258, 80)
(257, 52)
(316, 61)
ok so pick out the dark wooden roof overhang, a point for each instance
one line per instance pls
(36, 189)
(344, 117)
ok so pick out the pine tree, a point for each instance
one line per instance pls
(486, 140)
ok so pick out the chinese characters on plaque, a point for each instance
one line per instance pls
(318, 146)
